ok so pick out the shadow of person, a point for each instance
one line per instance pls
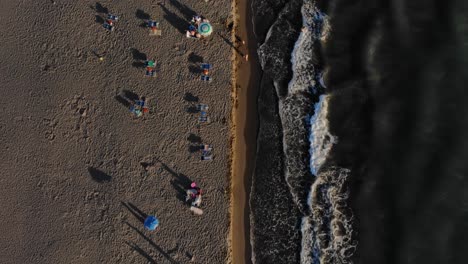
(194, 148)
(99, 19)
(122, 100)
(130, 95)
(135, 211)
(231, 44)
(173, 19)
(98, 175)
(194, 69)
(140, 251)
(140, 14)
(179, 187)
(100, 8)
(192, 110)
(138, 64)
(194, 58)
(154, 245)
(180, 182)
(184, 9)
(176, 175)
(137, 55)
(189, 97)
(194, 138)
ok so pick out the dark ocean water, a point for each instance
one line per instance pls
(362, 154)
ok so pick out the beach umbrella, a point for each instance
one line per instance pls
(151, 223)
(205, 29)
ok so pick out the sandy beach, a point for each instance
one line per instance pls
(79, 171)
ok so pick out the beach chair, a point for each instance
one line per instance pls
(154, 31)
(154, 28)
(152, 23)
(204, 119)
(202, 107)
(150, 72)
(207, 155)
(206, 152)
(108, 26)
(206, 78)
(112, 17)
(205, 66)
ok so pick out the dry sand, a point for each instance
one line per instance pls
(73, 154)
(244, 143)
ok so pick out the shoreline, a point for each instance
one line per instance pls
(245, 127)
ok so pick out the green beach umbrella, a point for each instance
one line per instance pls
(205, 29)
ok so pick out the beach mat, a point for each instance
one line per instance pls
(196, 210)
(157, 32)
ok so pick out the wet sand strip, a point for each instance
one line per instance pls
(245, 120)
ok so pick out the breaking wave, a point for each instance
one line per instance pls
(320, 193)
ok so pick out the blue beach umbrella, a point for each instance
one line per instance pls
(151, 223)
(205, 29)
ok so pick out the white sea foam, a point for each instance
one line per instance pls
(303, 67)
(307, 242)
(321, 141)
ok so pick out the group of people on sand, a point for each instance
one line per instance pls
(194, 195)
(193, 30)
(199, 27)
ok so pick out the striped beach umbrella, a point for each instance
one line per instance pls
(151, 223)
(205, 29)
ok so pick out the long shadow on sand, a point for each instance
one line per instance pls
(184, 9)
(173, 19)
(194, 58)
(140, 251)
(98, 175)
(158, 248)
(127, 98)
(100, 8)
(140, 14)
(192, 110)
(189, 97)
(192, 138)
(99, 19)
(231, 44)
(139, 58)
(194, 148)
(135, 211)
(137, 55)
(194, 69)
(180, 182)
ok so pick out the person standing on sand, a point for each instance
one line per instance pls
(241, 42)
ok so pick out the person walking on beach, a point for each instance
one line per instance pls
(241, 42)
